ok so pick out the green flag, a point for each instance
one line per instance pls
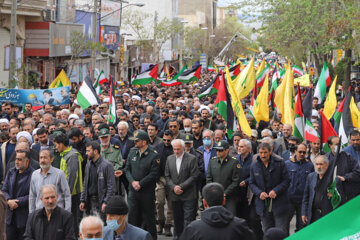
(342, 224)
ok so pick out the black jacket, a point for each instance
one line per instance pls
(60, 227)
(163, 152)
(217, 223)
(125, 146)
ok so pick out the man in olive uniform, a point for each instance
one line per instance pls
(111, 153)
(142, 169)
(225, 170)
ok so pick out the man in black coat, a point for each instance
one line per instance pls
(51, 221)
(216, 221)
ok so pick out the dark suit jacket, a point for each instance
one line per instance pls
(37, 147)
(186, 178)
(308, 198)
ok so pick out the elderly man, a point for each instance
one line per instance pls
(24, 147)
(181, 173)
(316, 201)
(269, 181)
(286, 132)
(91, 227)
(117, 227)
(298, 167)
(51, 221)
(48, 174)
(16, 190)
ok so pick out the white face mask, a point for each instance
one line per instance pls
(335, 149)
(187, 129)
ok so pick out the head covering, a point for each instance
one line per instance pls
(126, 94)
(188, 138)
(106, 100)
(136, 97)
(4, 120)
(116, 205)
(104, 132)
(34, 132)
(73, 116)
(140, 135)
(315, 113)
(26, 135)
(254, 133)
(222, 145)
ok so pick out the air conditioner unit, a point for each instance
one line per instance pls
(49, 15)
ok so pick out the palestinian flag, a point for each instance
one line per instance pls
(146, 76)
(298, 71)
(87, 97)
(299, 127)
(190, 75)
(260, 77)
(337, 115)
(102, 78)
(210, 88)
(112, 103)
(346, 125)
(235, 71)
(170, 83)
(310, 133)
(223, 102)
(163, 76)
(326, 130)
(97, 85)
(323, 83)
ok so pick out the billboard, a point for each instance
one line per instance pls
(110, 37)
(110, 13)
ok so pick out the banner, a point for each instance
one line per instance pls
(40, 97)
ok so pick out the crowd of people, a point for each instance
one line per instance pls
(168, 160)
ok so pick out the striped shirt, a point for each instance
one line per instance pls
(55, 177)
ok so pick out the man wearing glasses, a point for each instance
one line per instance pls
(225, 170)
(298, 167)
(174, 126)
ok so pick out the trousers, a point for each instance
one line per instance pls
(162, 194)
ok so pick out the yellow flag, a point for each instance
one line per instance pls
(355, 114)
(304, 67)
(237, 107)
(261, 105)
(331, 101)
(216, 69)
(60, 81)
(261, 67)
(280, 93)
(289, 100)
(304, 80)
(245, 81)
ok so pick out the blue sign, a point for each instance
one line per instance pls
(19, 97)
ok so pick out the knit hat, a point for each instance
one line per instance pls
(116, 205)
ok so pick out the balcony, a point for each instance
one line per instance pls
(25, 7)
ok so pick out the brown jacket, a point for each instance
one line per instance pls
(3, 207)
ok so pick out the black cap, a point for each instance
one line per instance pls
(116, 205)
(188, 138)
(222, 145)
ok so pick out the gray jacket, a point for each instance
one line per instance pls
(106, 181)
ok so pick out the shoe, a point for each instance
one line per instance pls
(167, 230)
(159, 228)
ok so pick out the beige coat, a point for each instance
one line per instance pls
(3, 207)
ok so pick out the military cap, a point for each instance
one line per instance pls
(140, 135)
(104, 132)
(222, 145)
(188, 138)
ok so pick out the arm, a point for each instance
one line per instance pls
(72, 168)
(354, 175)
(168, 178)
(64, 186)
(32, 195)
(83, 195)
(5, 188)
(285, 180)
(209, 178)
(194, 174)
(110, 183)
(305, 200)
(69, 228)
(128, 171)
(118, 164)
(153, 174)
(28, 235)
(23, 201)
(235, 179)
(252, 183)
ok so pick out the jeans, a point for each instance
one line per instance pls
(184, 214)
(269, 220)
(295, 206)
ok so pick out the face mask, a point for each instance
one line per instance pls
(112, 224)
(187, 129)
(207, 142)
(335, 149)
(93, 238)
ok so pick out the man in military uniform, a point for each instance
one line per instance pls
(112, 153)
(142, 169)
(225, 170)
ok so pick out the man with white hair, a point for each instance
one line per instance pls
(51, 221)
(91, 227)
(181, 173)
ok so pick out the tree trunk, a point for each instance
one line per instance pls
(347, 70)
(317, 65)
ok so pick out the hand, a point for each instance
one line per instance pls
(341, 178)
(263, 196)
(304, 219)
(329, 195)
(13, 204)
(82, 206)
(118, 173)
(272, 194)
(243, 184)
(136, 185)
(103, 206)
(177, 190)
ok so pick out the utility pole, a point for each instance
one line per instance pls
(93, 51)
(12, 65)
(155, 45)
(119, 70)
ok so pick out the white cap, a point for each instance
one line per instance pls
(106, 100)
(4, 120)
(315, 113)
(254, 133)
(136, 97)
(73, 116)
